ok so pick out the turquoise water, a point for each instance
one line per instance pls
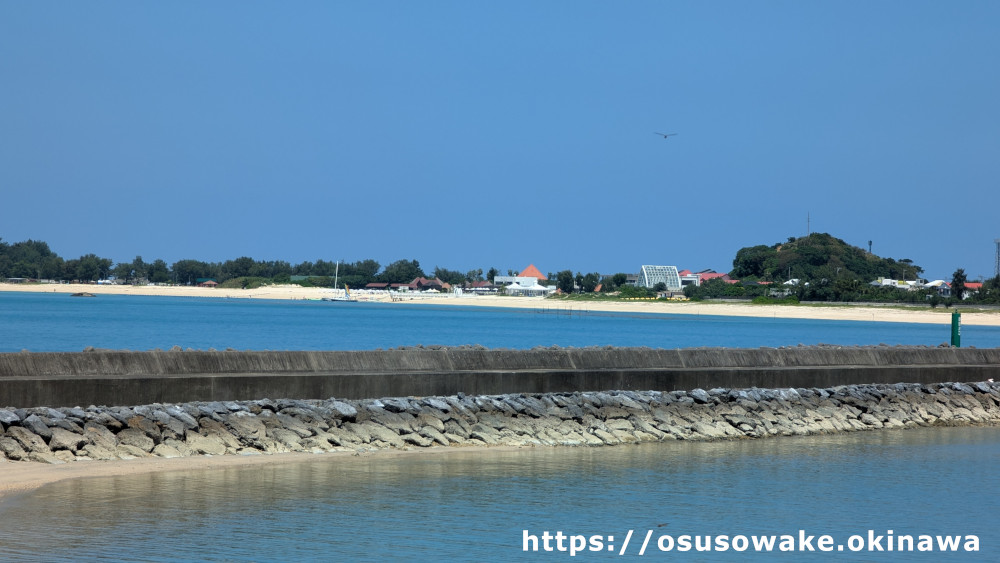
(475, 506)
(57, 322)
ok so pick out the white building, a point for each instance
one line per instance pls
(528, 287)
(649, 276)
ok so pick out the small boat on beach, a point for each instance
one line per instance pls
(346, 298)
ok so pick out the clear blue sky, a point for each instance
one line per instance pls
(480, 134)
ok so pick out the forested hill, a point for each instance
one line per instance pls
(816, 257)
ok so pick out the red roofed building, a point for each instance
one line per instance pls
(697, 278)
(531, 272)
(424, 284)
(705, 277)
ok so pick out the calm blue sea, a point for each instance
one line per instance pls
(475, 506)
(57, 322)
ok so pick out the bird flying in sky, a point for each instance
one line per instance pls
(665, 135)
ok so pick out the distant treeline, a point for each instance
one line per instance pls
(825, 269)
(35, 260)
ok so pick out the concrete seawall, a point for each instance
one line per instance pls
(136, 378)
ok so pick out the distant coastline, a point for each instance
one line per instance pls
(832, 312)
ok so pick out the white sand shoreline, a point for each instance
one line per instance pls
(21, 477)
(940, 315)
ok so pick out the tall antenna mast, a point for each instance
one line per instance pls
(996, 269)
(808, 225)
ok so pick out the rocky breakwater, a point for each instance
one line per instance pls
(57, 435)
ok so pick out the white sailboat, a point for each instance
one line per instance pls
(347, 291)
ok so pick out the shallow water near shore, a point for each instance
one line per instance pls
(475, 505)
(41, 322)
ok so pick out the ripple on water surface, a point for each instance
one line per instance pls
(475, 504)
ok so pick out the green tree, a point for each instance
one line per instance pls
(615, 282)
(565, 281)
(752, 261)
(990, 292)
(323, 268)
(590, 282)
(846, 289)
(91, 267)
(958, 280)
(452, 277)
(238, 268)
(187, 272)
(159, 272)
(401, 271)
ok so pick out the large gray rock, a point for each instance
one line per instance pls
(135, 438)
(36, 425)
(433, 434)
(163, 450)
(180, 445)
(67, 424)
(100, 453)
(12, 449)
(65, 440)
(75, 412)
(105, 420)
(248, 429)
(400, 423)
(483, 432)
(207, 445)
(379, 432)
(121, 414)
(146, 426)
(289, 423)
(342, 410)
(218, 430)
(100, 436)
(396, 405)
(424, 420)
(354, 432)
(127, 451)
(189, 422)
(700, 396)
(45, 457)
(8, 417)
(290, 439)
(436, 403)
(30, 441)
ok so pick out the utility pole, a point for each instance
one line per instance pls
(996, 269)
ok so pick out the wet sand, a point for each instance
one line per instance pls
(18, 477)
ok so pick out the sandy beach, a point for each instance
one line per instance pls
(940, 315)
(18, 477)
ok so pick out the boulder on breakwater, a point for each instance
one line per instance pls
(57, 435)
